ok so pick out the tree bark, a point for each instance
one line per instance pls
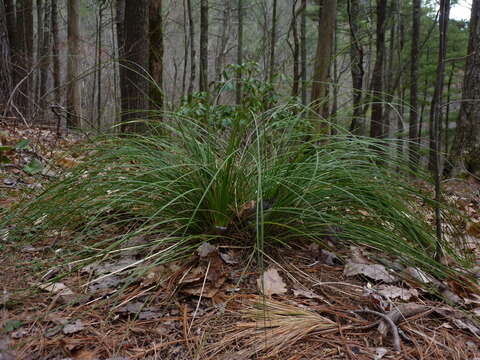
(23, 56)
(55, 52)
(45, 56)
(273, 40)
(326, 28)
(413, 147)
(377, 124)
(303, 52)
(222, 41)
(5, 61)
(296, 50)
(465, 151)
(203, 78)
(356, 57)
(135, 64)
(156, 54)
(192, 49)
(238, 89)
(436, 106)
(73, 86)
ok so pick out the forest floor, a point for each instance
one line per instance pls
(345, 303)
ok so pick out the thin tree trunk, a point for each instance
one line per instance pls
(303, 51)
(356, 55)
(436, 106)
(223, 41)
(156, 54)
(238, 90)
(23, 58)
(45, 59)
(296, 51)
(55, 52)
(273, 41)
(377, 124)
(413, 147)
(326, 28)
(447, 110)
(73, 86)
(435, 118)
(120, 29)
(192, 49)
(185, 48)
(203, 78)
(5, 59)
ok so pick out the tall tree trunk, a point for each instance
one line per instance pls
(238, 90)
(23, 58)
(73, 85)
(5, 61)
(203, 83)
(436, 106)
(55, 52)
(192, 49)
(464, 155)
(223, 41)
(135, 85)
(447, 110)
(156, 54)
(356, 57)
(436, 118)
(40, 28)
(414, 60)
(120, 30)
(45, 58)
(185, 48)
(377, 124)
(273, 40)
(296, 51)
(303, 51)
(326, 28)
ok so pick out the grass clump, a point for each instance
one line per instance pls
(262, 179)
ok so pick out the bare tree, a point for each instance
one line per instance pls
(414, 60)
(326, 28)
(377, 124)
(203, 81)
(465, 151)
(135, 64)
(238, 90)
(73, 86)
(273, 41)
(156, 54)
(356, 56)
(5, 61)
(55, 51)
(191, 31)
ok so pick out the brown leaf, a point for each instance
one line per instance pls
(271, 283)
(393, 292)
(373, 271)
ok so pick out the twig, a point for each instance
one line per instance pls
(393, 327)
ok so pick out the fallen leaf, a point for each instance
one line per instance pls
(56, 288)
(380, 352)
(205, 249)
(72, 328)
(271, 283)
(306, 294)
(392, 292)
(373, 271)
(228, 259)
